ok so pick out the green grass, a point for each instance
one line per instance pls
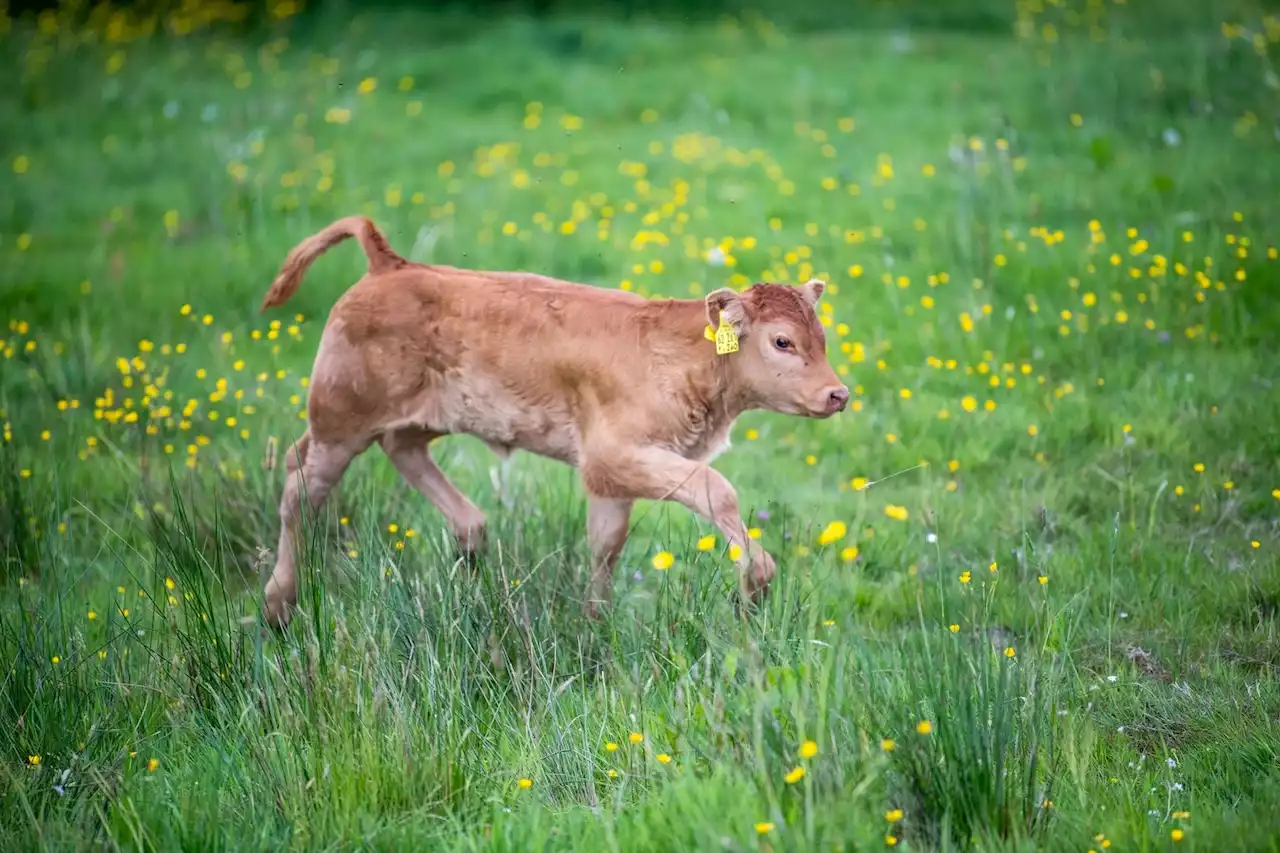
(1077, 418)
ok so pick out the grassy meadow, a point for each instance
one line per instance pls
(1028, 592)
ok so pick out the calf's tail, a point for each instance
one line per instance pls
(381, 257)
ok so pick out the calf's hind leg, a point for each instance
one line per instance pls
(312, 468)
(607, 523)
(409, 451)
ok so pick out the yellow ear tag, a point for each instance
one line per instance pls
(726, 338)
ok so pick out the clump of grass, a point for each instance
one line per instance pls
(972, 729)
(19, 551)
(200, 614)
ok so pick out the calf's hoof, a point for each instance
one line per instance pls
(753, 586)
(745, 603)
(277, 605)
(594, 609)
(470, 547)
(759, 576)
(470, 558)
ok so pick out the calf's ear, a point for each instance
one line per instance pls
(729, 302)
(812, 290)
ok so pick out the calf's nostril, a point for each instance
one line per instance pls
(839, 397)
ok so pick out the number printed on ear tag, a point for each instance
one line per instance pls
(726, 338)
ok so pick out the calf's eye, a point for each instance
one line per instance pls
(782, 343)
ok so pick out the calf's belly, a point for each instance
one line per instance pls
(504, 420)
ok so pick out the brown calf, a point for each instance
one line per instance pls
(638, 394)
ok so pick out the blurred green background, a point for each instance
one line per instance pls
(1028, 589)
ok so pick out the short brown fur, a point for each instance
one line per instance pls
(627, 390)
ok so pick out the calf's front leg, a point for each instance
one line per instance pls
(656, 474)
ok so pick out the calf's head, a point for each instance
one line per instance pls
(781, 363)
